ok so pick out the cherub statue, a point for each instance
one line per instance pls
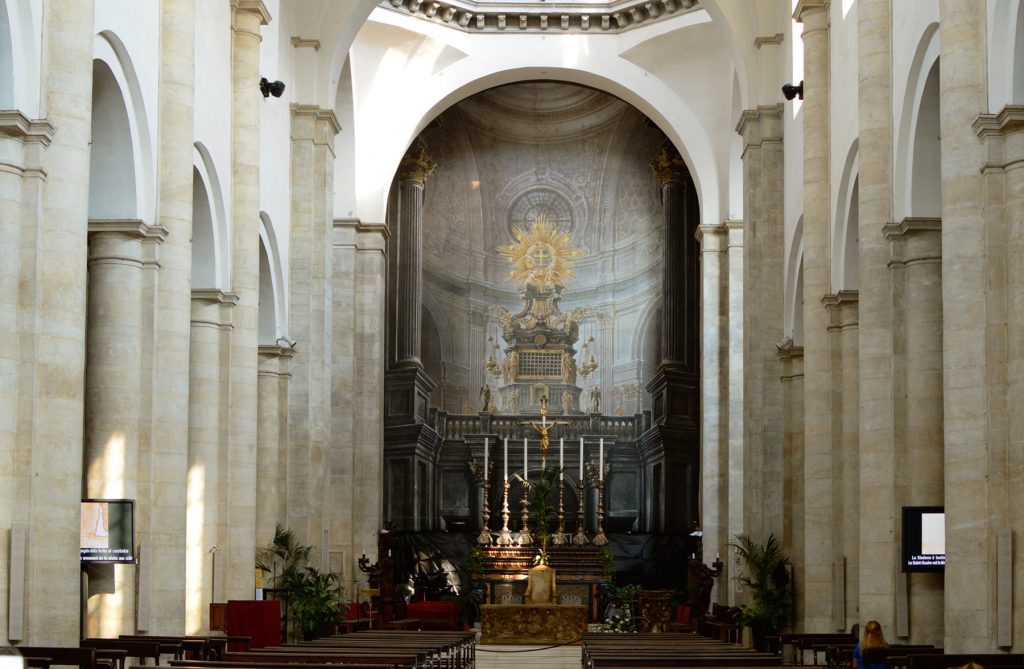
(485, 397)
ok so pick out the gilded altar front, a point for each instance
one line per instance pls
(522, 624)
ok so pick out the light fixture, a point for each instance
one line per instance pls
(268, 88)
(791, 91)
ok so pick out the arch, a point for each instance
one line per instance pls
(845, 234)
(646, 344)
(113, 192)
(109, 49)
(210, 255)
(6, 60)
(923, 64)
(273, 320)
(793, 312)
(387, 129)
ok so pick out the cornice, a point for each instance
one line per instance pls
(1010, 119)
(841, 298)
(276, 350)
(808, 5)
(303, 43)
(775, 39)
(909, 226)
(215, 295)
(318, 114)
(129, 227)
(789, 353)
(519, 17)
(15, 124)
(253, 7)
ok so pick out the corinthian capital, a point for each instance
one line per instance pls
(416, 165)
(668, 166)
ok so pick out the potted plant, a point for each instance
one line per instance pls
(768, 579)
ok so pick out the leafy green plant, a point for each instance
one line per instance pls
(619, 614)
(542, 510)
(768, 578)
(474, 563)
(283, 558)
(316, 598)
(607, 563)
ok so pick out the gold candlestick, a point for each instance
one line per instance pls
(485, 531)
(580, 538)
(600, 539)
(524, 534)
(505, 537)
(560, 537)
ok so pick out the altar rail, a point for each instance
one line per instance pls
(516, 426)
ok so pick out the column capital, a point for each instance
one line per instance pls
(669, 167)
(763, 124)
(255, 8)
(712, 237)
(361, 235)
(15, 124)
(786, 350)
(129, 227)
(214, 296)
(911, 226)
(325, 123)
(1008, 120)
(808, 9)
(416, 165)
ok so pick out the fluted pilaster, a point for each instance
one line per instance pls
(412, 176)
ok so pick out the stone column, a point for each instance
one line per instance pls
(173, 306)
(54, 449)
(247, 17)
(877, 561)
(843, 317)
(714, 411)
(113, 384)
(22, 143)
(969, 577)
(310, 320)
(735, 475)
(205, 533)
(818, 465)
(356, 453)
(917, 256)
(792, 358)
(416, 166)
(762, 299)
(674, 388)
(272, 441)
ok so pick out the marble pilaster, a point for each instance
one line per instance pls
(967, 365)
(272, 440)
(714, 411)
(247, 18)
(113, 387)
(209, 409)
(356, 454)
(844, 349)
(170, 394)
(310, 320)
(22, 143)
(877, 559)
(54, 433)
(819, 471)
(413, 172)
(917, 264)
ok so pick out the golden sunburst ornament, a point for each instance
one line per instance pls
(541, 257)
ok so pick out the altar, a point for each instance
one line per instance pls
(522, 624)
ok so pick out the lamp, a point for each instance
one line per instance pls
(791, 91)
(268, 88)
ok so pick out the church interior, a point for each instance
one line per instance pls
(367, 269)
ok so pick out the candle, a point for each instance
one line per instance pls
(506, 459)
(600, 460)
(485, 458)
(561, 458)
(581, 458)
(526, 474)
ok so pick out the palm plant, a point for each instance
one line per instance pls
(542, 509)
(283, 557)
(768, 579)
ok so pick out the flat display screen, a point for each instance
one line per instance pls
(108, 530)
(924, 538)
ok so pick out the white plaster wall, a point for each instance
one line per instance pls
(405, 71)
(276, 58)
(125, 30)
(212, 119)
(845, 123)
(1005, 56)
(793, 170)
(24, 18)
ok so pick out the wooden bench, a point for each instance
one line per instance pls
(619, 651)
(804, 641)
(375, 656)
(143, 650)
(84, 658)
(943, 661)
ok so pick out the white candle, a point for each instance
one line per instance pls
(485, 458)
(581, 458)
(561, 458)
(526, 474)
(600, 460)
(506, 459)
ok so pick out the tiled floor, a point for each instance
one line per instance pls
(527, 657)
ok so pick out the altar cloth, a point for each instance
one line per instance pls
(519, 624)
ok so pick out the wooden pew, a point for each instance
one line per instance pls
(943, 661)
(454, 649)
(84, 658)
(143, 650)
(619, 651)
(377, 656)
(803, 641)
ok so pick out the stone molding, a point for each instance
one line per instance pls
(360, 235)
(214, 296)
(760, 126)
(129, 227)
(993, 130)
(914, 240)
(773, 40)
(304, 43)
(712, 237)
(809, 6)
(211, 308)
(317, 114)
(911, 226)
(495, 17)
(273, 360)
(843, 309)
(15, 124)
(252, 7)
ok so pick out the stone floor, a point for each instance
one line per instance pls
(564, 657)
